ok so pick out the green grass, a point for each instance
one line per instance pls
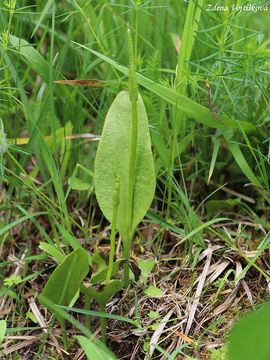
(204, 79)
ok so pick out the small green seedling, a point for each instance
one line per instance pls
(146, 267)
(64, 283)
(102, 296)
(124, 166)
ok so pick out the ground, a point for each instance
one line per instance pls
(199, 258)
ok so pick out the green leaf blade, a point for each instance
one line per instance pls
(249, 338)
(66, 279)
(112, 163)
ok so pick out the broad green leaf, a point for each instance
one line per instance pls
(66, 280)
(189, 107)
(93, 351)
(249, 338)
(3, 327)
(112, 163)
(153, 291)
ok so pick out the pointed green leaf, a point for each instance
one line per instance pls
(66, 280)
(112, 163)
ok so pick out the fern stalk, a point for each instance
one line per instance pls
(133, 95)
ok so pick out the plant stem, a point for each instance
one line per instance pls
(112, 250)
(133, 95)
(87, 299)
(127, 248)
(136, 21)
(113, 230)
(102, 322)
(64, 333)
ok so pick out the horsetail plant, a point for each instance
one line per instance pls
(124, 161)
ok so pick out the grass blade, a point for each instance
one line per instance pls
(183, 103)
